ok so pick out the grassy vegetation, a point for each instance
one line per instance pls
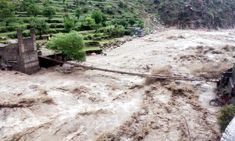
(227, 113)
(100, 20)
(96, 20)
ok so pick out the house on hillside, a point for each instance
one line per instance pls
(20, 56)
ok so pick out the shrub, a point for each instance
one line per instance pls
(92, 43)
(6, 10)
(113, 31)
(108, 9)
(39, 25)
(49, 12)
(26, 33)
(98, 16)
(70, 44)
(78, 13)
(121, 4)
(227, 113)
(86, 23)
(69, 23)
(33, 10)
(56, 25)
(12, 35)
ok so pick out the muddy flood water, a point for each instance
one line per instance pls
(89, 105)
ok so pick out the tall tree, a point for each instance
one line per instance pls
(39, 25)
(33, 9)
(6, 11)
(29, 6)
(49, 12)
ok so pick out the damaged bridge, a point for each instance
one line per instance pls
(20, 56)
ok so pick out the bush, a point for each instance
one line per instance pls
(6, 10)
(86, 23)
(92, 43)
(69, 23)
(113, 31)
(227, 113)
(49, 12)
(98, 16)
(26, 33)
(70, 44)
(54, 21)
(12, 35)
(56, 25)
(39, 25)
(77, 13)
(33, 10)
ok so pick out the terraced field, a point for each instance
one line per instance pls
(116, 12)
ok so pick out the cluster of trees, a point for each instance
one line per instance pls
(106, 19)
(9, 9)
(197, 13)
(32, 8)
(88, 21)
(97, 20)
(76, 16)
(6, 11)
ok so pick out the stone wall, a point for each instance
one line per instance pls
(21, 56)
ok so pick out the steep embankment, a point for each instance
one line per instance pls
(196, 13)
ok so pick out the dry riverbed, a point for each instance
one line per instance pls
(93, 105)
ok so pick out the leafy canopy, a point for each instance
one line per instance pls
(49, 12)
(69, 23)
(6, 9)
(98, 16)
(70, 44)
(39, 25)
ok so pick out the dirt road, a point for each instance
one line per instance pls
(92, 105)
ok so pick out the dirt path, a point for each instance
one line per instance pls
(92, 105)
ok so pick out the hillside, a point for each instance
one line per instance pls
(99, 21)
(196, 13)
(64, 15)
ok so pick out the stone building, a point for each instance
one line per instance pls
(20, 56)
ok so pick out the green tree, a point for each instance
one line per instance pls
(78, 13)
(49, 12)
(98, 16)
(76, 2)
(87, 23)
(29, 6)
(70, 44)
(39, 25)
(6, 11)
(113, 31)
(24, 4)
(69, 23)
(46, 3)
(33, 10)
